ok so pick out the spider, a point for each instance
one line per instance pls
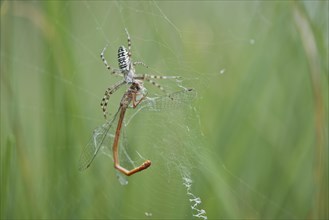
(127, 70)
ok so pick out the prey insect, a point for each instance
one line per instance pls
(136, 89)
(105, 135)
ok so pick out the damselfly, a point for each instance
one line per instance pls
(104, 135)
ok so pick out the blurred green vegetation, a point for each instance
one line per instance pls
(257, 142)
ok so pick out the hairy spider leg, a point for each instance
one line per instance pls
(113, 71)
(150, 77)
(108, 93)
(129, 43)
(140, 63)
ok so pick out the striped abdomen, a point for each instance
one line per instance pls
(123, 58)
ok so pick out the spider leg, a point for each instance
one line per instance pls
(129, 43)
(107, 95)
(140, 63)
(146, 77)
(150, 77)
(113, 71)
(156, 85)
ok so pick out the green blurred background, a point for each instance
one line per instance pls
(254, 143)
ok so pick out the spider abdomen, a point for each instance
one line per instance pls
(123, 58)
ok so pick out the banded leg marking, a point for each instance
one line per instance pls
(113, 71)
(107, 95)
(129, 43)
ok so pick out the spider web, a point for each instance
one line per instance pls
(179, 183)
